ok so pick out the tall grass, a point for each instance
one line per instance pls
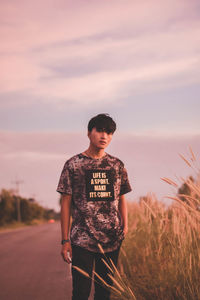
(160, 258)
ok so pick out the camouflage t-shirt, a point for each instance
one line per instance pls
(95, 186)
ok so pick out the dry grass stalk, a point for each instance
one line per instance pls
(101, 279)
(193, 186)
(121, 285)
(187, 162)
(193, 156)
(187, 208)
(124, 252)
(149, 208)
(81, 271)
(115, 268)
(169, 181)
(130, 291)
(189, 197)
(107, 265)
(101, 249)
(116, 282)
(116, 272)
(106, 284)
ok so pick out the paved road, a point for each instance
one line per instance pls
(31, 267)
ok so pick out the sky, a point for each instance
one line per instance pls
(62, 62)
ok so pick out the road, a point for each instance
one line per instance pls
(31, 266)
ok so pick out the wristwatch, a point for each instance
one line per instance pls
(65, 241)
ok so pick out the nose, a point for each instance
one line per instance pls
(104, 134)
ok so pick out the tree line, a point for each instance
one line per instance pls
(16, 208)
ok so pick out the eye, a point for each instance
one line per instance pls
(100, 130)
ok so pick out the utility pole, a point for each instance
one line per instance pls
(17, 182)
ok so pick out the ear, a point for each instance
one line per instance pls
(88, 134)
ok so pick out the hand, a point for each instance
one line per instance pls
(66, 252)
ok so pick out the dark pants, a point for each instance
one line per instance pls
(85, 260)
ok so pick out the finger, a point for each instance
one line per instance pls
(67, 255)
(66, 258)
(70, 252)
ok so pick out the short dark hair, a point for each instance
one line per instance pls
(102, 122)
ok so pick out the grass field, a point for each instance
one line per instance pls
(160, 257)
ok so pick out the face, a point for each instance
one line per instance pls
(99, 139)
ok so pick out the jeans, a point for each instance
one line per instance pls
(85, 260)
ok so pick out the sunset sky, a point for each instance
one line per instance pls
(64, 61)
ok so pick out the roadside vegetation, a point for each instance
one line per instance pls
(160, 258)
(17, 211)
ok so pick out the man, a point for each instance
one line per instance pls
(93, 184)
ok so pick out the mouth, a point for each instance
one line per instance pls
(102, 142)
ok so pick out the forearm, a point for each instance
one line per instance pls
(123, 211)
(65, 216)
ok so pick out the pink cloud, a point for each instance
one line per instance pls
(37, 39)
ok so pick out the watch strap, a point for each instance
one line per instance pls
(65, 241)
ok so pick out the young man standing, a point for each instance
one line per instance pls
(93, 184)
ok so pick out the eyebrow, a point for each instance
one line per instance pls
(108, 130)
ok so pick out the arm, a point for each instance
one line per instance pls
(123, 212)
(65, 226)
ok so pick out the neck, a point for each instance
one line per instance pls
(95, 152)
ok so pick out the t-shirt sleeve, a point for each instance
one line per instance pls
(125, 185)
(66, 180)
